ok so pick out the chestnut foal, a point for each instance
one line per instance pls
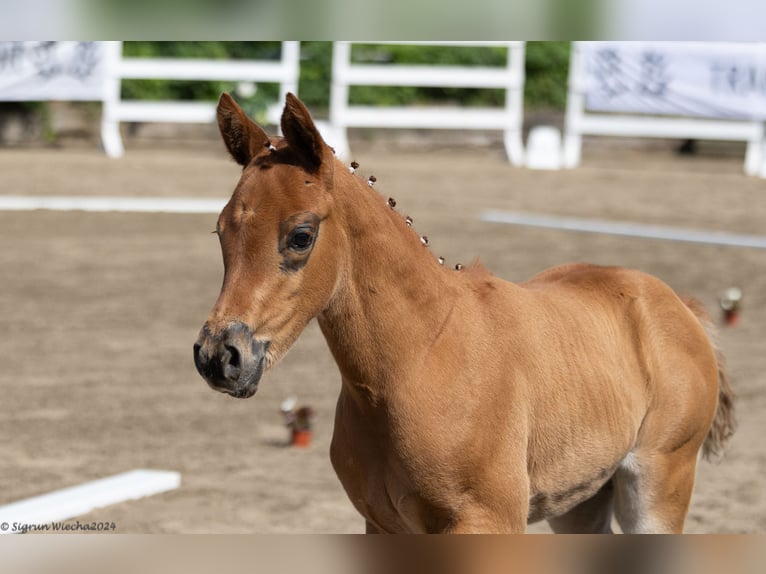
(468, 403)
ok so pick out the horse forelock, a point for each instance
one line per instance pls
(278, 152)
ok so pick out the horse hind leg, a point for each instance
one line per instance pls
(594, 516)
(648, 494)
(652, 493)
(654, 482)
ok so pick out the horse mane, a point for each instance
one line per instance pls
(477, 270)
(473, 275)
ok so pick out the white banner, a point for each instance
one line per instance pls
(52, 70)
(714, 80)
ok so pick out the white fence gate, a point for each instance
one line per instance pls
(284, 71)
(345, 73)
(695, 83)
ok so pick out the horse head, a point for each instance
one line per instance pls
(278, 241)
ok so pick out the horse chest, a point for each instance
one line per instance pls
(378, 488)
(378, 481)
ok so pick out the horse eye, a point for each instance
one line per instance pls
(301, 240)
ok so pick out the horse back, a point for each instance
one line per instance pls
(626, 320)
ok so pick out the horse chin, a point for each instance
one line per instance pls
(242, 392)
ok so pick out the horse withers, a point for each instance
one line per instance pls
(468, 403)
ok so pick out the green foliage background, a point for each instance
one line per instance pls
(545, 83)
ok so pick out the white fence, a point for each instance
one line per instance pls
(345, 73)
(284, 71)
(636, 89)
(686, 79)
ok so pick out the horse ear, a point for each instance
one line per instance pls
(301, 133)
(242, 136)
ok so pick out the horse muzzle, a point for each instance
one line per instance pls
(232, 360)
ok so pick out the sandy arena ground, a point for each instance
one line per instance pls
(99, 312)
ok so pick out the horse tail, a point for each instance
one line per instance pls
(724, 422)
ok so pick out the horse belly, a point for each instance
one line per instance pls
(553, 502)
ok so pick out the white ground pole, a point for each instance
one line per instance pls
(78, 500)
(105, 204)
(624, 228)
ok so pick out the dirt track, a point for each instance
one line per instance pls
(99, 313)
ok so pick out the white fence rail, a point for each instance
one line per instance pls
(284, 72)
(345, 74)
(653, 74)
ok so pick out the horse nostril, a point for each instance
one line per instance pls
(234, 356)
(232, 362)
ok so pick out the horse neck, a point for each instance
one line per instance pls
(392, 299)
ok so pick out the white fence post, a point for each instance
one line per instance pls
(341, 58)
(284, 72)
(110, 122)
(631, 123)
(291, 61)
(514, 104)
(508, 119)
(575, 108)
